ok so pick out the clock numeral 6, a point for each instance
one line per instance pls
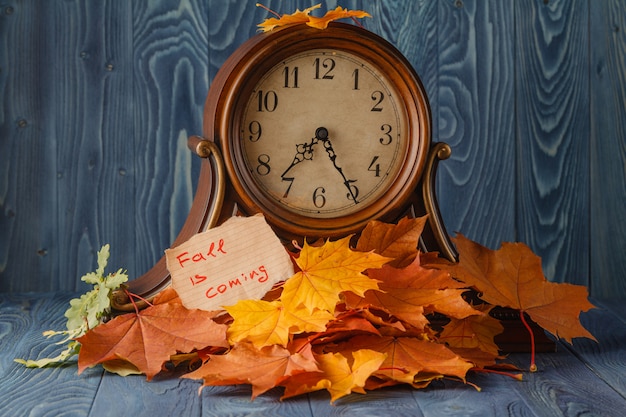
(319, 199)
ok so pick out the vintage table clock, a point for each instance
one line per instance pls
(319, 130)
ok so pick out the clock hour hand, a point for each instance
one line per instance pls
(321, 134)
(304, 152)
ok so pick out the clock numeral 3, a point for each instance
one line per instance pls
(387, 138)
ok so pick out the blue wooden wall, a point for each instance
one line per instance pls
(98, 97)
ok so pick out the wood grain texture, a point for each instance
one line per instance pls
(28, 165)
(476, 187)
(552, 85)
(97, 100)
(92, 102)
(608, 148)
(26, 391)
(170, 56)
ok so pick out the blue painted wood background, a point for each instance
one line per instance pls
(97, 99)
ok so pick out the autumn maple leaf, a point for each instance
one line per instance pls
(326, 272)
(337, 14)
(398, 241)
(147, 339)
(409, 359)
(410, 292)
(304, 17)
(512, 277)
(262, 368)
(475, 332)
(339, 376)
(266, 323)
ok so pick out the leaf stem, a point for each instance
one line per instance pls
(268, 10)
(533, 365)
(493, 371)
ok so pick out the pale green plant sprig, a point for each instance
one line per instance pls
(85, 312)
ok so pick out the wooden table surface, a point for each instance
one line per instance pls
(587, 379)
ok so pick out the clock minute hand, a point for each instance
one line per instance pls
(321, 134)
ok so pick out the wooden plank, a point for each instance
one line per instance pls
(564, 386)
(606, 357)
(235, 401)
(27, 391)
(608, 148)
(92, 101)
(171, 82)
(396, 401)
(552, 90)
(476, 118)
(163, 396)
(28, 168)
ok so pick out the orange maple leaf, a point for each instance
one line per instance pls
(298, 17)
(266, 323)
(337, 14)
(474, 332)
(410, 292)
(409, 359)
(338, 376)
(326, 272)
(147, 339)
(397, 241)
(262, 368)
(512, 277)
(303, 16)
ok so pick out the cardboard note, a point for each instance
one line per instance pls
(241, 259)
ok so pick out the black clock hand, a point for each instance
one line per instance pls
(304, 151)
(321, 134)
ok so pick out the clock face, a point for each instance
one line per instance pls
(323, 133)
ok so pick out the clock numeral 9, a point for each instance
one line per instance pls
(264, 165)
(267, 101)
(319, 199)
(255, 130)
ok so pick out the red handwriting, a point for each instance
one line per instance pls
(214, 250)
(260, 275)
(197, 279)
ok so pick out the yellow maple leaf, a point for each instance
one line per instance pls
(304, 16)
(266, 323)
(338, 377)
(326, 272)
(299, 16)
(332, 15)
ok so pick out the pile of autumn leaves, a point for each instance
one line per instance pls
(350, 319)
